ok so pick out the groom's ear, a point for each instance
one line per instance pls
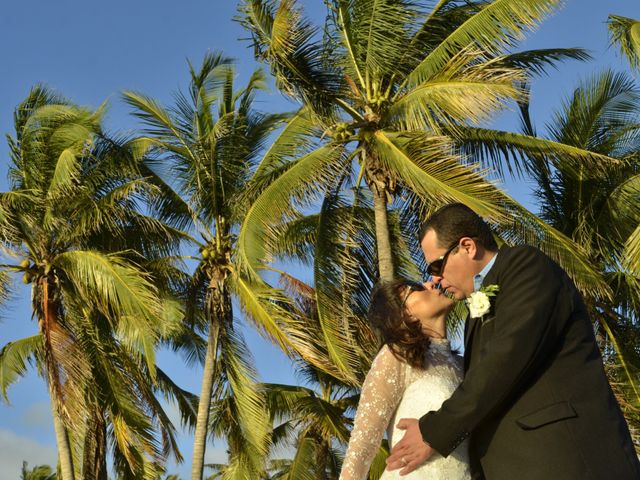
(470, 247)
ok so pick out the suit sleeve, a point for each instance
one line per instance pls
(531, 292)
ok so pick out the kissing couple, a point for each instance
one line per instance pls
(528, 401)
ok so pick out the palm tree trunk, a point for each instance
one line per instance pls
(383, 239)
(62, 441)
(216, 306)
(204, 405)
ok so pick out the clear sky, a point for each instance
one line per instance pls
(90, 51)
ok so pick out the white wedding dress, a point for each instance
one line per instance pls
(394, 390)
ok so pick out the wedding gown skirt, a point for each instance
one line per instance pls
(394, 390)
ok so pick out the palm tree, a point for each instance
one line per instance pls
(317, 421)
(125, 412)
(625, 33)
(39, 472)
(72, 191)
(125, 415)
(207, 147)
(244, 459)
(397, 93)
(122, 409)
(603, 215)
(314, 419)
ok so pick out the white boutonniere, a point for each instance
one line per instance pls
(479, 302)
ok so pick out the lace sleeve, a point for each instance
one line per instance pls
(381, 392)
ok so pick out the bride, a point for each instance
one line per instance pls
(414, 373)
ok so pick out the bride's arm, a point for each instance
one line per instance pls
(381, 392)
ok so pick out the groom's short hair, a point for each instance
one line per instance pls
(456, 220)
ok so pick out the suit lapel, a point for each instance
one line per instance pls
(469, 327)
(472, 323)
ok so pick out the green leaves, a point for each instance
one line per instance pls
(498, 25)
(314, 419)
(266, 307)
(250, 414)
(378, 32)
(295, 187)
(120, 291)
(625, 33)
(285, 39)
(423, 164)
(14, 357)
(65, 174)
(464, 100)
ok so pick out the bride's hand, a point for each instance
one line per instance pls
(410, 452)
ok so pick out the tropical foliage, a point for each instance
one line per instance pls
(625, 34)
(39, 472)
(398, 91)
(162, 240)
(205, 150)
(72, 227)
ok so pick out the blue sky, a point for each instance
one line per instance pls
(90, 51)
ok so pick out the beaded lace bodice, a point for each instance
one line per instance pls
(394, 390)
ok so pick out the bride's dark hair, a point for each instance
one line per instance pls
(388, 315)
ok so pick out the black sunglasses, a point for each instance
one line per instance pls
(436, 267)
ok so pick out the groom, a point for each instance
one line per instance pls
(535, 402)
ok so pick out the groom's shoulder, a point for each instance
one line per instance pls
(526, 254)
(523, 251)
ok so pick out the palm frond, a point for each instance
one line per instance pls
(66, 172)
(461, 100)
(265, 306)
(492, 148)
(340, 263)
(631, 254)
(299, 131)
(379, 31)
(538, 61)
(625, 33)
(602, 102)
(425, 166)
(297, 186)
(284, 38)
(186, 401)
(120, 291)
(14, 357)
(157, 119)
(496, 27)
(248, 402)
(302, 465)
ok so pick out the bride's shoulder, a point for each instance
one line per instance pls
(386, 356)
(384, 352)
(387, 366)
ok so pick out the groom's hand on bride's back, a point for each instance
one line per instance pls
(410, 452)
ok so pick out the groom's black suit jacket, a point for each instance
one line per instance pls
(535, 401)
